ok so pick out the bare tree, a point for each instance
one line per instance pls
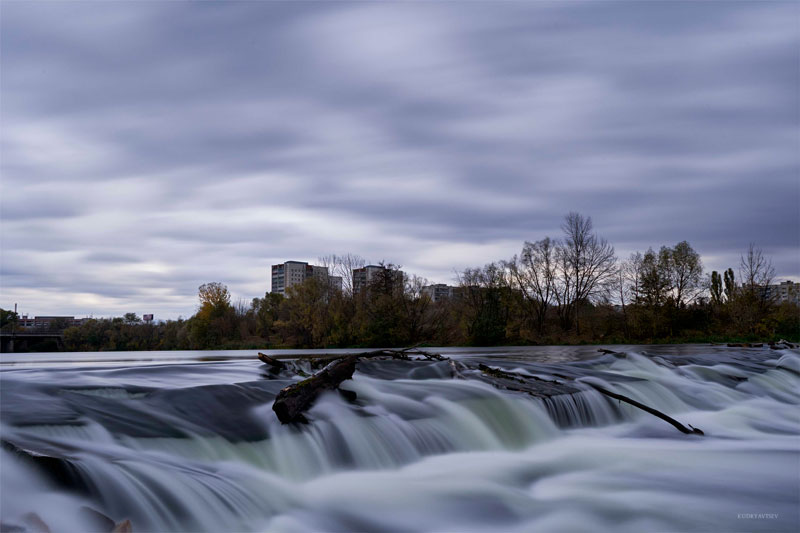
(750, 303)
(533, 274)
(416, 306)
(626, 284)
(586, 264)
(343, 266)
(755, 270)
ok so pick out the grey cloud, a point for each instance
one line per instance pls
(161, 145)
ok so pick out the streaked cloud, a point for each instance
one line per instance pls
(151, 147)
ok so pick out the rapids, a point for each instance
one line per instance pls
(187, 441)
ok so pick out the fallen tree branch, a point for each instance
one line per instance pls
(683, 429)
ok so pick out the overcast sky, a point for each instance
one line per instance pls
(151, 147)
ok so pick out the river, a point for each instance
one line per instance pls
(187, 441)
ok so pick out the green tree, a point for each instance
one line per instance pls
(8, 318)
(131, 318)
(730, 284)
(716, 288)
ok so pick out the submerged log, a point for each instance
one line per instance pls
(611, 352)
(537, 387)
(683, 429)
(274, 363)
(745, 344)
(293, 401)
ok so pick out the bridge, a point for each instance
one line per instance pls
(10, 341)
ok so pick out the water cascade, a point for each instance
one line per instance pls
(195, 446)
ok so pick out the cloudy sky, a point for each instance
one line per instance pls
(151, 147)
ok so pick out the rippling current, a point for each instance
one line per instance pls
(187, 441)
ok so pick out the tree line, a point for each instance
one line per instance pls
(566, 290)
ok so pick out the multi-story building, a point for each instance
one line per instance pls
(439, 292)
(292, 273)
(364, 277)
(786, 291)
(335, 283)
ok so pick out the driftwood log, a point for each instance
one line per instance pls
(293, 401)
(274, 363)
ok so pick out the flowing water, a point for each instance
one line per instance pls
(187, 441)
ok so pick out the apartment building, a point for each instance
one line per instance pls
(366, 276)
(786, 291)
(292, 273)
(439, 292)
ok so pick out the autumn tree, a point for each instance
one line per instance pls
(214, 294)
(306, 324)
(685, 274)
(216, 318)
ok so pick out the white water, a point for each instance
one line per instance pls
(179, 447)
